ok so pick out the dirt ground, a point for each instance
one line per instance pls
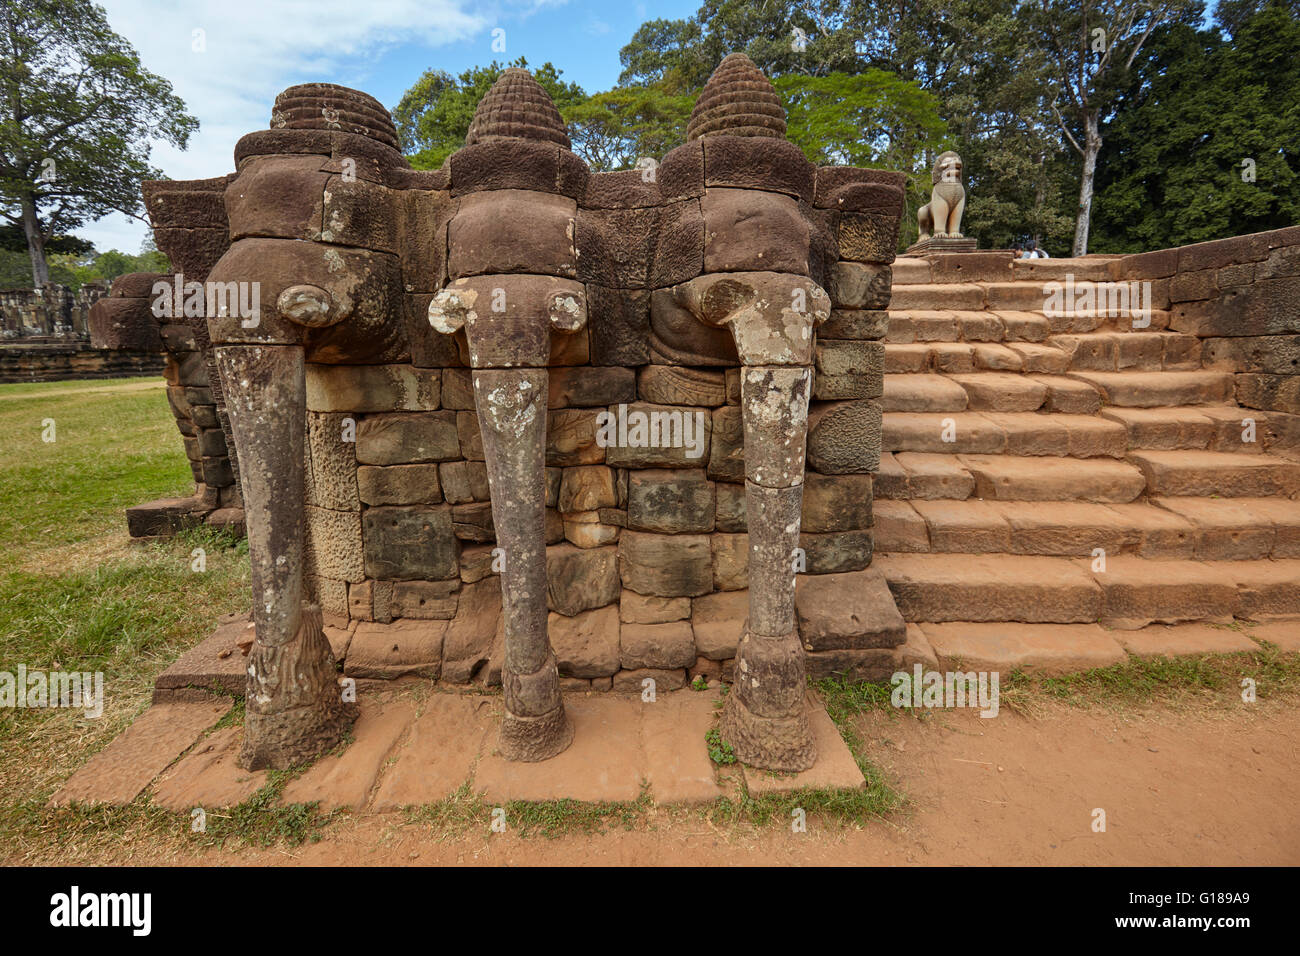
(1209, 786)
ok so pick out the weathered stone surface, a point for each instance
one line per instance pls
(665, 646)
(571, 438)
(836, 551)
(718, 620)
(670, 385)
(844, 437)
(750, 230)
(636, 608)
(666, 565)
(407, 438)
(333, 544)
(641, 435)
(389, 651)
(439, 754)
(679, 338)
(620, 336)
(464, 481)
(850, 324)
(727, 445)
(512, 231)
(836, 503)
(586, 644)
(774, 403)
(409, 543)
(372, 388)
(585, 386)
(855, 285)
(579, 579)
(208, 776)
(641, 680)
(467, 643)
(847, 369)
(773, 537)
(119, 772)
(586, 488)
(679, 246)
(670, 501)
(842, 611)
(730, 561)
(473, 521)
(616, 245)
(425, 600)
(730, 515)
(399, 484)
(346, 779)
(586, 530)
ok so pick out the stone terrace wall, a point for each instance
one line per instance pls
(124, 325)
(399, 523)
(1241, 297)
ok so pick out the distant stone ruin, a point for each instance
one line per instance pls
(516, 421)
(44, 336)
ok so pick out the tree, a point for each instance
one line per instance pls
(1090, 50)
(433, 116)
(1203, 142)
(77, 114)
(614, 129)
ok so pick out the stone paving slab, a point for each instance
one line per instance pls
(677, 758)
(1284, 633)
(835, 767)
(214, 662)
(346, 779)
(605, 762)
(119, 772)
(207, 776)
(440, 752)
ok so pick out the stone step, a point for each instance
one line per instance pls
(939, 322)
(1001, 391)
(1134, 389)
(1117, 351)
(1052, 649)
(1225, 474)
(1124, 591)
(1181, 427)
(1207, 529)
(922, 393)
(1043, 270)
(1003, 433)
(1016, 478)
(963, 295)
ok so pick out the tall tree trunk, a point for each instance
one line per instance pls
(1091, 147)
(35, 243)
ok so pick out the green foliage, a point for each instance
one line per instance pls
(78, 115)
(433, 116)
(720, 752)
(612, 130)
(1195, 107)
(871, 118)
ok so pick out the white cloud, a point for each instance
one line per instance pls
(252, 50)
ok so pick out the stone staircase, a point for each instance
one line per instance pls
(1064, 469)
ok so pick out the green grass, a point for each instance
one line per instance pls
(111, 450)
(73, 593)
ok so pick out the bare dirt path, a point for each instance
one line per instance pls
(1210, 786)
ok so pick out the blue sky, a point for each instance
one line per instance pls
(229, 58)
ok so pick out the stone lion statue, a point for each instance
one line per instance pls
(940, 218)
